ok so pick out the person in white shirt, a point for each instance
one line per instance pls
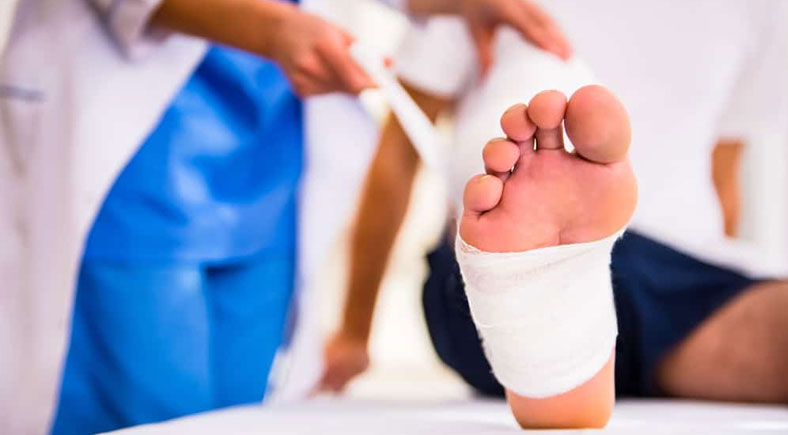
(697, 318)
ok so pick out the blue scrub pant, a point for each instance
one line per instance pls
(153, 342)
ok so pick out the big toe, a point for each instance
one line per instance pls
(598, 125)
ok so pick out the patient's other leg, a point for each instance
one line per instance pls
(740, 353)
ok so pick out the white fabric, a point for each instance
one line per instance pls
(127, 22)
(717, 68)
(73, 109)
(546, 317)
(476, 416)
(414, 122)
(440, 47)
(400, 5)
(7, 8)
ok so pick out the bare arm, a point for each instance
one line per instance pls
(312, 52)
(384, 202)
(725, 165)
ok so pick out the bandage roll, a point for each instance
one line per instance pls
(546, 317)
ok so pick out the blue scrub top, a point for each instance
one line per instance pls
(217, 179)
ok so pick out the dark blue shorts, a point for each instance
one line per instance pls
(661, 296)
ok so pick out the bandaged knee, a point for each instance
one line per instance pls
(546, 317)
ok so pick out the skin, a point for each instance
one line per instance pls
(312, 52)
(725, 165)
(739, 354)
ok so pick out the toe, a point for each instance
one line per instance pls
(516, 124)
(546, 110)
(482, 193)
(500, 155)
(598, 125)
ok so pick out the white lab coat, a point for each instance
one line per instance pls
(82, 83)
(74, 107)
(7, 8)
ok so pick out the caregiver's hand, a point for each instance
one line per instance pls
(484, 17)
(527, 17)
(313, 53)
(344, 358)
(315, 56)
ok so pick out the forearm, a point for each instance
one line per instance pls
(245, 24)
(432, 7)
(384, 202)
(587, 406)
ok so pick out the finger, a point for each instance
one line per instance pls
(306, 87)
(351, 77)
(483, 40)
(556, 38)
(536, 25)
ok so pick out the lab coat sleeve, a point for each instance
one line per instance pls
(127, 22)
(438, 57)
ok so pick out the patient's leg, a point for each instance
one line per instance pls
(535, 198)
(740, 353)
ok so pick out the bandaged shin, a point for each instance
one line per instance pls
(546, 317)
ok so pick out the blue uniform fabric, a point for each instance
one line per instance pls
(155, 342)
(217, 179)
(188, 271)
(661, 295)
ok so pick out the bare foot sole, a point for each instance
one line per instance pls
(535, 194)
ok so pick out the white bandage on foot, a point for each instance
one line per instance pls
(546, 317)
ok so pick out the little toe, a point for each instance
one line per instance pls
(516, 124)
(598, 125)
(482, 193)
(547, 110)
(500, 156)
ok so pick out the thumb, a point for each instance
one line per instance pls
(352, 76)
(483, 40)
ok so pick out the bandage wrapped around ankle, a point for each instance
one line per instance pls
(546, 317)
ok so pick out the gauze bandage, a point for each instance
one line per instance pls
(546, 317)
